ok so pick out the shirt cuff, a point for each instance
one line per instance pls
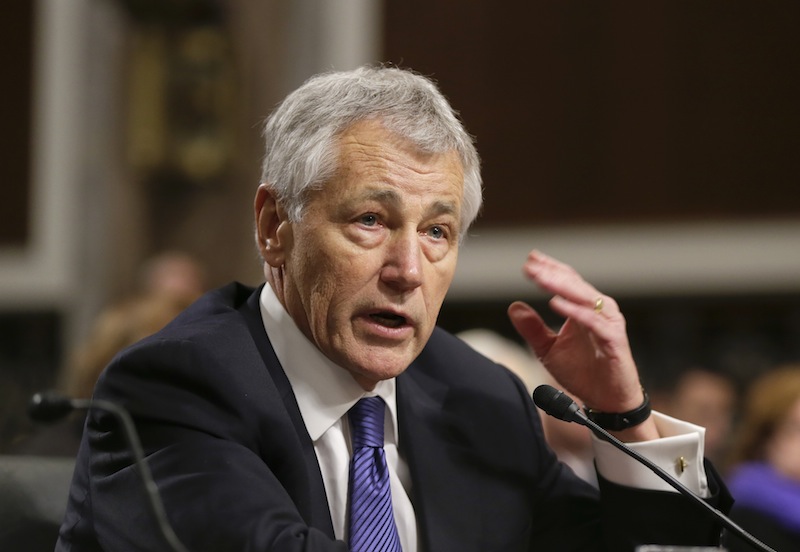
(679, 452)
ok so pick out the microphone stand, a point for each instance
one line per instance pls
(59, 405)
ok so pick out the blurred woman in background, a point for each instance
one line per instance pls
(765, 463)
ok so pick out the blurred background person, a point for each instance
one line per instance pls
(704, 397)
(174, 273)
(765, 475)
(571, 442)
(118, 326)
(507, 352)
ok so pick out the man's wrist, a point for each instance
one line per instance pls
(620, 421)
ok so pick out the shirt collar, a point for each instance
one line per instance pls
(324, 390)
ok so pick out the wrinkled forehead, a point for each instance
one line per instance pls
(369, 147)
(370, 136)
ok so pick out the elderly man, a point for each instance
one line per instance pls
(261, 410)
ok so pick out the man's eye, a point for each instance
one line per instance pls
(368, 219)
(437, 232)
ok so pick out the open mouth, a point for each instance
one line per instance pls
(388, 319)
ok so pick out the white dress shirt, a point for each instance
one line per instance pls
(325, 392)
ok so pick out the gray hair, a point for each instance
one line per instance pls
(300, 135)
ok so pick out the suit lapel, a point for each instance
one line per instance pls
(314, 506)
(447, 511)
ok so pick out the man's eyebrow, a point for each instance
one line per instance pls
(444, 208)
(382, 196)
(392, 198)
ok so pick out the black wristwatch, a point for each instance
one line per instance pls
(617, 421)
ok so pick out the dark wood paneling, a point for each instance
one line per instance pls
(609, 111)
(16, 60)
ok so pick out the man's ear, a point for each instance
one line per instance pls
(271, 233)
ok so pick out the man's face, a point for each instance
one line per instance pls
(367, 268)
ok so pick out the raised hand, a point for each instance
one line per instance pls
(590, 354)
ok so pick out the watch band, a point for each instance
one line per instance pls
(617, 421)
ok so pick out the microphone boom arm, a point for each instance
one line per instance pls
(560, 406)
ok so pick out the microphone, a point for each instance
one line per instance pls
(560, 405)
(50, 406)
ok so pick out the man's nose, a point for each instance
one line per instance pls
(403, 264)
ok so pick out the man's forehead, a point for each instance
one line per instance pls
(374, 132)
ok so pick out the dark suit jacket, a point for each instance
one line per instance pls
(765, 528)
(237, 471)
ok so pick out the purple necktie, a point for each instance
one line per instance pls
(372, 527)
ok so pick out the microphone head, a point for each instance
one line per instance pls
(557, 404)
(49, 406)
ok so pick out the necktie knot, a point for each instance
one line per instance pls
(366, 422)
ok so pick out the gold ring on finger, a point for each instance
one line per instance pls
(598, 305)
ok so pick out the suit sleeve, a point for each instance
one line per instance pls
(228, 463)
(633, 517)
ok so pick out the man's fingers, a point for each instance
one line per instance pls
(531, 327)
(560, 279)
(602, 324)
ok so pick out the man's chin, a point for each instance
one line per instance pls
(381, 369)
